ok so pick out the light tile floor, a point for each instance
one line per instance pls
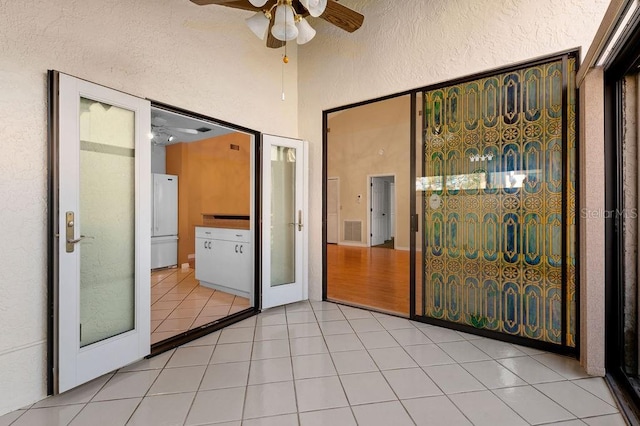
(179, 303)
(323, 364)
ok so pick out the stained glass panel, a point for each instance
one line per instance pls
(495, 175)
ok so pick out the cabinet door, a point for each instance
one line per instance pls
(244, 279)
(204, 261)
(226, 263)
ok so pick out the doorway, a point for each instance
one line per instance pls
(102, 218)
(491, 215)
(203, 174)
(622, 195)
(368, 204)
(382, 207)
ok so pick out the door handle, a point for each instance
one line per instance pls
(209, 245)
(236, 248)
(70, 232)
(241, 250)
(299, 223)
(82, 237)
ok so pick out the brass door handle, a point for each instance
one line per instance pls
(299, 222)
(77, 240)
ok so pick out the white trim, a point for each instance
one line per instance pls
(619, 29)
(601, 38)
(350, 244)
(305, 216)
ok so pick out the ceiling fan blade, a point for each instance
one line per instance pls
(236, 4)
(273, 42)
(341, 16)
(181, 130)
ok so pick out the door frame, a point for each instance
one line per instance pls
(414, 214)
(196, 333)
(392, 203)
(64, 371)
(337, 179)
(623, 63)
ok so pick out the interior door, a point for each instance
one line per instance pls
(333, 204)
(284, 221)
(377, 212)
(103, 230)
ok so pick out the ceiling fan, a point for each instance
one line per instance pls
(160, 124)
(162, 134)
(283, 20)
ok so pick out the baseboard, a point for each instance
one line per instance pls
(352, 244)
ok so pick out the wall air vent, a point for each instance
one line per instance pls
(353, 230)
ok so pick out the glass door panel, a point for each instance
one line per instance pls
(368, 156)
(283, 215)
(106, 221)
(497, 196)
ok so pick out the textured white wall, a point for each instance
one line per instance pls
(413, 43)
(202, 59)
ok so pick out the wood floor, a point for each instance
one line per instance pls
(372, 277)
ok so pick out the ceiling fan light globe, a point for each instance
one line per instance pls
(258, 3)
(284, 28)
(285, 32)
(305, 31)
(259, 24)
(315, 7)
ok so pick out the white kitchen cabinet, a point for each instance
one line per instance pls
(224, 260)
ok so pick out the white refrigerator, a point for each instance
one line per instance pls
(164, 221)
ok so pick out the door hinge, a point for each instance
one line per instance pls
(81, 332)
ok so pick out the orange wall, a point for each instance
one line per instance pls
(212, 178)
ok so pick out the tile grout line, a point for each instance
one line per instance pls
(206, 367)
(293, 373)
(246, 387)
(427, 374)
(346, 397)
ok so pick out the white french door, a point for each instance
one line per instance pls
(102, 257)
(284, 221)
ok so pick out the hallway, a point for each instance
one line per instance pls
(324, 364)
(369, 277)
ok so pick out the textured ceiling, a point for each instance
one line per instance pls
(166, 123)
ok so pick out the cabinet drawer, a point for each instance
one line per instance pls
(226, 234)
